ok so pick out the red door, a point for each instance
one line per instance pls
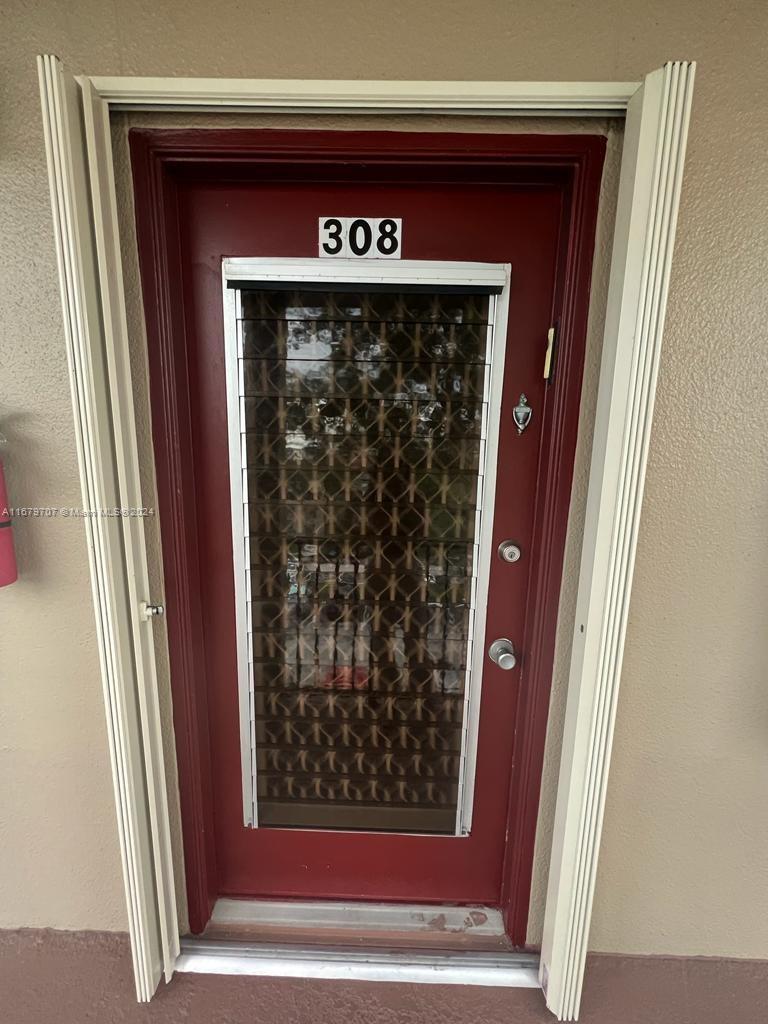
(299, 850)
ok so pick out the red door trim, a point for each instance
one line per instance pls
(569, 315)
(157, 229)
(159, 159)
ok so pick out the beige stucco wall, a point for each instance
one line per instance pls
(683, 866)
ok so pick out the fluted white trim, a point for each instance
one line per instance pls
(108, 461)
(126, 459)
(321, 96)
(75, 116)
(649, 193)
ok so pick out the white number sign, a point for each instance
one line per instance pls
(379, 238)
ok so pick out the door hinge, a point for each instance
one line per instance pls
(149, 611)
(551, 336)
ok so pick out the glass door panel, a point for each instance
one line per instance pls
(360, 419)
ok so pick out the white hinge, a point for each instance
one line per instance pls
(150, 611)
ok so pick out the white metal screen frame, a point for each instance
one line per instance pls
(79, 157)
(494, 278)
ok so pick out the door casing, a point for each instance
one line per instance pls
(76, 129)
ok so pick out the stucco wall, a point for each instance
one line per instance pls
(683, 866)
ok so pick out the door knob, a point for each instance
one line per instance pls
(509, 551)
(502, 652)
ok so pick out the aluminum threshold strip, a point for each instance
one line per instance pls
(507, 970)
(371, 918)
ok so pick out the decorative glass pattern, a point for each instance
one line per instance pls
(362, 420)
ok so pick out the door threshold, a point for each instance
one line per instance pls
(430, 927)
(508, 970)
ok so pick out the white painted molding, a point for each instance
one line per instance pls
(649, 193)
(310, 96)
(126, 459)
(75, 118)
(115, 544)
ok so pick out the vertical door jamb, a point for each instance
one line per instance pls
(649, 196)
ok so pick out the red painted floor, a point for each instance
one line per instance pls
(49, 977)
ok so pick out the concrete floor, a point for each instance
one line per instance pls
(49, 977)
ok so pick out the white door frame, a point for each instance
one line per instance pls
(76, 126)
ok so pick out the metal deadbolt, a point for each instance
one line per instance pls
(509, 551)
(502, 652)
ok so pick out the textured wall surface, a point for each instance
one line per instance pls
(683, 866)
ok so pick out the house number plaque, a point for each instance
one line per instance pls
(361, 237)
